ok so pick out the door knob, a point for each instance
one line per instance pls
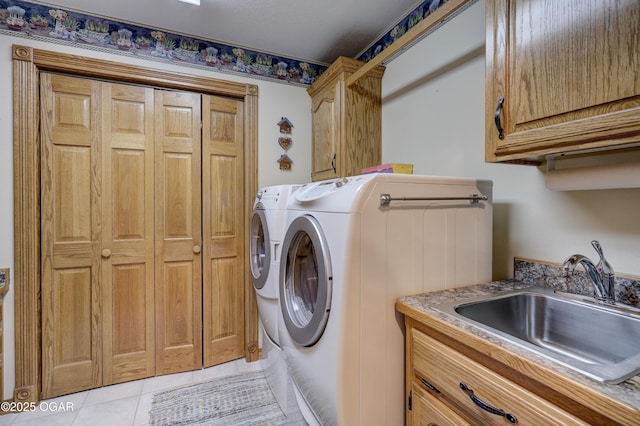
(106, 253)
(196, 249)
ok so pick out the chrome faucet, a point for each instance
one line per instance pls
(601, 275)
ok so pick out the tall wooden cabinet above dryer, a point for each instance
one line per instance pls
(347, 129)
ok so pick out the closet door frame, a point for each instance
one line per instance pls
(27, 64)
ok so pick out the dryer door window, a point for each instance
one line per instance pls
(305, 287)
(259, 251)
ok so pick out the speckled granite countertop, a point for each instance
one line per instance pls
(627, 392)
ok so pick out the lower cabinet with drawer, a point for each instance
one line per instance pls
(447, 388)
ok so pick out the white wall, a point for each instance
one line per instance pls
(433, 117)
(274, 101)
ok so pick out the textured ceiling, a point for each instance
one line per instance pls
(314, 30)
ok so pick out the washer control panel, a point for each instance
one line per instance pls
(316, 190)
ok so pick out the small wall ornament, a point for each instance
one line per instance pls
(284, 142)
(286, 127)
(285, 162)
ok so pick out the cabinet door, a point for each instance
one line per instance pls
(568, 74)
(71, 218)
(223, 229)
(178, 232)
(127, 232)
(326, 133)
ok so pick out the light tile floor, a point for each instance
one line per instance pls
(117, 405)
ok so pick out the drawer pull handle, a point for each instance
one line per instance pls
(480, 403)
(430, 386)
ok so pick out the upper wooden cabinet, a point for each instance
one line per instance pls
(567, 72)
(347, 130)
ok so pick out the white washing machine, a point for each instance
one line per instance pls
(352, 247)
(266, 234)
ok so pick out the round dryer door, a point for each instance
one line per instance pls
(259, 251)
(305, 281)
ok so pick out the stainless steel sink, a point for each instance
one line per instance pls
(602, 342)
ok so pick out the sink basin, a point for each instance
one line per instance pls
(602, 342)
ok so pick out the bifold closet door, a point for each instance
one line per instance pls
(128, 233)
(223, 229)
(178, 232)
(71, 215)
(97, 233)
(126, 196)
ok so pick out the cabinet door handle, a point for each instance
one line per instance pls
(496, 117)
(106, 253)
(333, 163)
(196, 249)
(493, 410)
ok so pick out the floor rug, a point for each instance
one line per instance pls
(242, 399)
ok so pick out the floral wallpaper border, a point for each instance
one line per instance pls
(41, 21)
(423, 10)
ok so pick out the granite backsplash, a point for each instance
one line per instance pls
(550, 275)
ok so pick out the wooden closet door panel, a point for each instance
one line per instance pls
(178, 232)
(71, 220)
(223, 229)
(128, 233)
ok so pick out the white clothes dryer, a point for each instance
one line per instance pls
(352, 247)
(266, 234)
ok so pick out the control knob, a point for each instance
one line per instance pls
(342, 182)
